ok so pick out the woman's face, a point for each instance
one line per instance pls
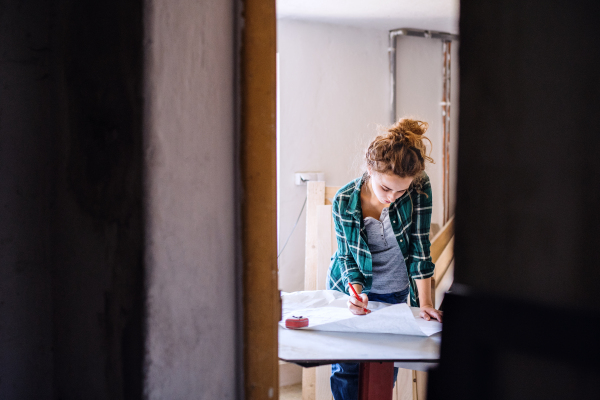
(388, 187)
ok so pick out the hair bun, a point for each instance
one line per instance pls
(400, 150)
(408, 131)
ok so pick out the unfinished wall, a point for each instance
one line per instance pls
(333, 94)
(190, 205)
(419, 89)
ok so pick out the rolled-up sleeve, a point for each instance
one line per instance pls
(420, 264)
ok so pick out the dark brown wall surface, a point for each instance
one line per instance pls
(71, 234)
(27, 136)
(98, 239)
(259, 199)
(524, 323)
(528, 207)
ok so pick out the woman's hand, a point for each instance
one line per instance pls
(356, 306)
(428, 312)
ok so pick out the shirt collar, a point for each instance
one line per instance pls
(354, 201)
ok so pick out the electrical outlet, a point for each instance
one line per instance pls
(302, 177)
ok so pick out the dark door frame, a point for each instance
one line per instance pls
(260, 296)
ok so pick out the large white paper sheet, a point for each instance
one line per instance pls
(327, 310)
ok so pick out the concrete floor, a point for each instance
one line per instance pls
(292, 392)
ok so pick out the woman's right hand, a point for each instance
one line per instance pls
(356, 306)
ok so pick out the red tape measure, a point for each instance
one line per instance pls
(296, 322)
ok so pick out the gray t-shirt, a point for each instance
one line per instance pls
(389, 269)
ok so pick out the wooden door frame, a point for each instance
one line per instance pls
(260, 297)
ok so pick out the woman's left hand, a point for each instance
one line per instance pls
(428, 312)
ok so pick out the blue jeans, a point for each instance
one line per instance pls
(344, 376)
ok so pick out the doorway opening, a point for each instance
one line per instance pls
(343, 72)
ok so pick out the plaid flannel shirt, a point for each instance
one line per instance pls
(410, 216)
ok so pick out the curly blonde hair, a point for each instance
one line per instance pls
(400, 151)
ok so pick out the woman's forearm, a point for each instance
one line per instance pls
(358, 287)
(424, 288)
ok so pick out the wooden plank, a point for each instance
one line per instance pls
(333, 236)
(442, 252)
(324, 250)
(309, 378)
(330, 192)
(259, 206)
(315, 192)
(439, 242)
(443, 261)
(316, 384)
(404, 384)
(444, 285)
(415, 394)
(323, 386)
(421, 385)
(315, 197)
(433, 284)
(433, 230)
(289, 374)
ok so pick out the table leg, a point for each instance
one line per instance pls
(376, 381)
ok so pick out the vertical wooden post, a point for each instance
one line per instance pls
(259, 199)
(446, 51)
(414, 385)
(324, 249)
(404, 385)
(421, 384)
(315, 192)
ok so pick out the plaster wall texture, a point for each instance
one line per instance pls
(333, 94)
(190, 211)
(419, 88)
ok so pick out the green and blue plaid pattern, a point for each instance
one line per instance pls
(410, 216)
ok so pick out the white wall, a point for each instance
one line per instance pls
(334, 92)
(419, 88)
(191, 239)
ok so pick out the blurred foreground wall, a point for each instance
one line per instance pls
(523, 322)
(117, 242)
(529, 170)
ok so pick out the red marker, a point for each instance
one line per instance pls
(357, 297)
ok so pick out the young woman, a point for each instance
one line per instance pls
(382, 222)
